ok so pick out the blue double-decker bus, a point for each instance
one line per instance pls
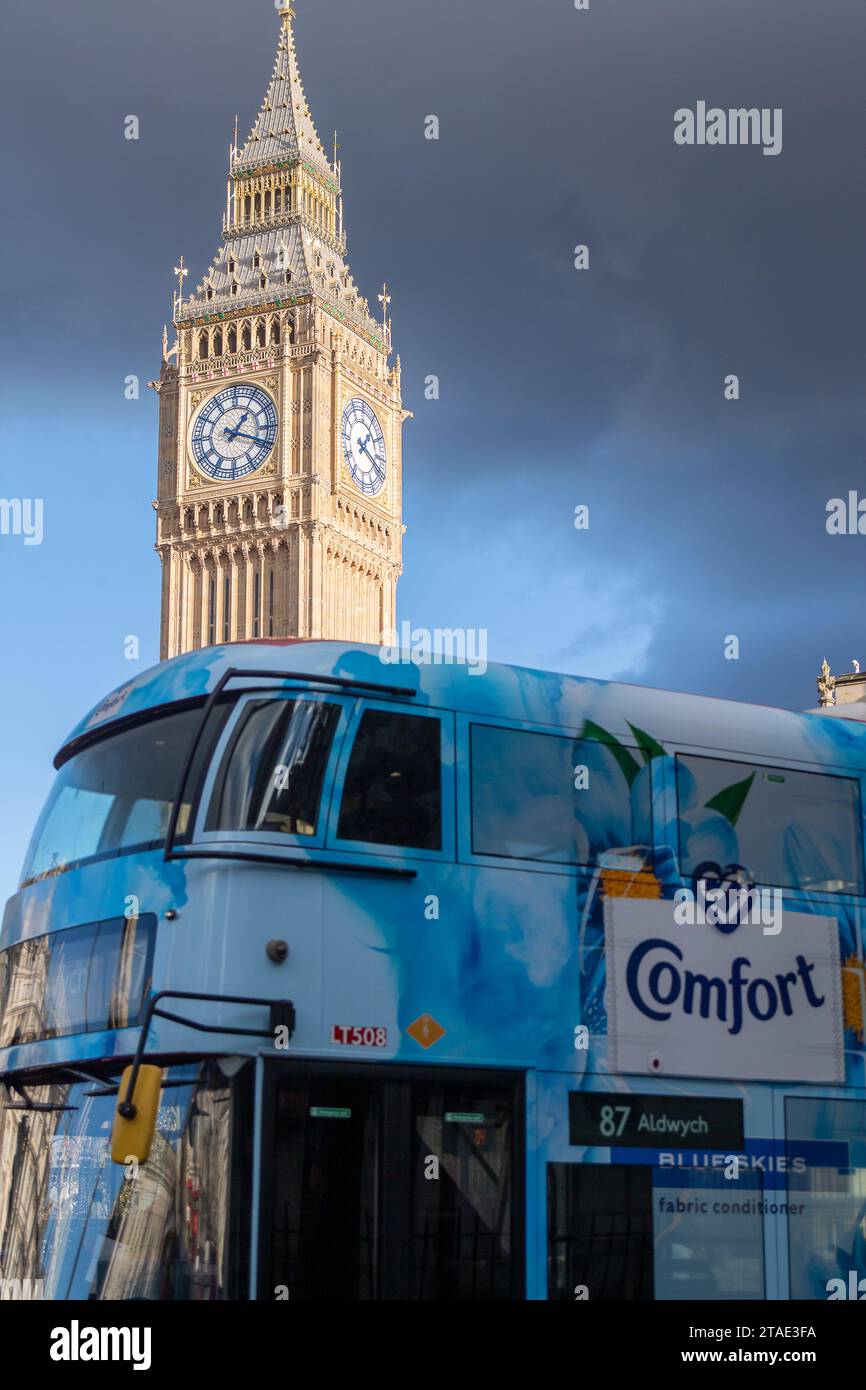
(333, 976)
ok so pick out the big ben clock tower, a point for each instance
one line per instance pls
(279, 487)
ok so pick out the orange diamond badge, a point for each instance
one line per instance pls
(425, 1030)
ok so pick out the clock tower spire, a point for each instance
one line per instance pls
(279, 505)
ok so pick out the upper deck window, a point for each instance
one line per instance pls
(393, 788)
(271, 775)
(559, 800)
(769, 825)
(115, 795)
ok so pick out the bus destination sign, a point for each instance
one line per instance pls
(605, 1119)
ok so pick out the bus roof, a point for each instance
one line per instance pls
(510, 692)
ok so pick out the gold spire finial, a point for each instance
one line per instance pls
(286, 11)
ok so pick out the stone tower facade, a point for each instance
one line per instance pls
(279, 499)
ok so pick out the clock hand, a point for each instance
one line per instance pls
(240, 434)
(229, 434)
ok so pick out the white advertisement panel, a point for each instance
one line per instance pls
(696, 1000)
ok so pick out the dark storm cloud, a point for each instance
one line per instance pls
(558, 387)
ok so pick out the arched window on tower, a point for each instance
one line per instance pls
(271, 603)
(202, 345)
(233, 338)
(263, 281)
(248, 205)
(257, 260)
(275, 331)
(261, 338)
(227, 603)
(218, 343)
(246, 336)
(278, 200)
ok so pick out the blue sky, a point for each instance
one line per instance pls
(558, 387)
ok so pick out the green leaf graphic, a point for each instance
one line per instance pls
(649, 747)
(627, 764)
(730, 802)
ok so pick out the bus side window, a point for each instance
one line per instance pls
(782, 826)
(393, 788)
(539, 796)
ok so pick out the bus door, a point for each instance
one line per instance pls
(390, 1183)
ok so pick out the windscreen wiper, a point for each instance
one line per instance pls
(57, 1076)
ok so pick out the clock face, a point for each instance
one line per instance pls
(364, 447)
(234, 432)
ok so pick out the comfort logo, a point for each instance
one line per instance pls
(685, 1000)
(657, 983)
